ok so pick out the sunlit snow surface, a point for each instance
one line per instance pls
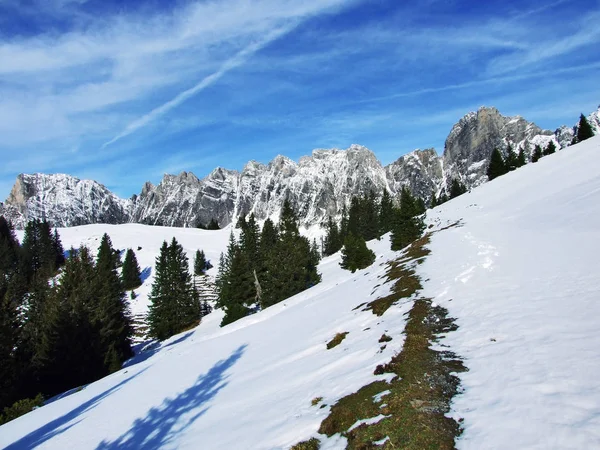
(520, 275)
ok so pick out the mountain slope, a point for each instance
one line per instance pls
(517, 274)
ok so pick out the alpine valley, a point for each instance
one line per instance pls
(318, 186)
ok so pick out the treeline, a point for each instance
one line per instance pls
(369, 218)
(64, 322)
(502, 164)
(265, 266)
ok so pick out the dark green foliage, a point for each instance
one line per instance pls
(130, 275)
(457, 188)
(497, 166)
(355, 254)
(285, 263)
(584, 129)
(333, 240)
(550, 148)
(213, 225)
(200, 263)
(112, 311)
(236, 285)
(521, 159)
(511, 160)
(408, 226)
(363, 218)
(537, 154)
(386, 213)
(20, 408)
(42, 252)
(174, 302)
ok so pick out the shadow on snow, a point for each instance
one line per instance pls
(145, 274)
(63, 423)
(164, 423)
(145, 350)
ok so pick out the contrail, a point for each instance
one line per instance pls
(237, 60)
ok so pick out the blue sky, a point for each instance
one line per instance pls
(123, 92)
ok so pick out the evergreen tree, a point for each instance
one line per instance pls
(408, 225)
(511, 160)
(249, 241)
(386, 213)
(584, 129)
(200, 263)
(112, 311)
(213, 225)
(550, 148)
(521, 159)
(130, 275)
(355, 254)
(174, 302)
(332, 241)
(497, 166)
(537, 154)
(456, 188)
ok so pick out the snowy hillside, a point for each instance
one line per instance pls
(518, 274)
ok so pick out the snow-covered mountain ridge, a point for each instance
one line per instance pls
(318, 185)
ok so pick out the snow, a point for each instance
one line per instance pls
(369, 421)
(519, 274)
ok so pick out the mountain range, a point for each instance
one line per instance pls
(318, 185)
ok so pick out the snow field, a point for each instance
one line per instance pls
(521, 278)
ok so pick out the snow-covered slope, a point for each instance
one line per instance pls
(245, 386)
(521, 277)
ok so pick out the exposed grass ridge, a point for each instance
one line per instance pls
(425, 380)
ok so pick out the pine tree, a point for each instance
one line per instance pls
(386, 213)
(511, 158)
(537, 154)
(408, 225)
(550, 148)
(112, 311)
(355, 254)
(213, 225)
(521, 159)
(584, 129)
(456, 188)
(174, 302)
(497, 166)
(249, 241)
(200, 263)
(130, 275)
(332, 241)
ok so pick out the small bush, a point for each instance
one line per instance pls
(20, 408)
(315, 401)
(337, 339)
(311, 444)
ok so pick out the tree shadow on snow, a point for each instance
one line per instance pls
(145, 350)
(145, 274)
(165, 422)
(63, 423)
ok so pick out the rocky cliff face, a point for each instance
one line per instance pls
(63, 200)
(318, 185)
(471, 141)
